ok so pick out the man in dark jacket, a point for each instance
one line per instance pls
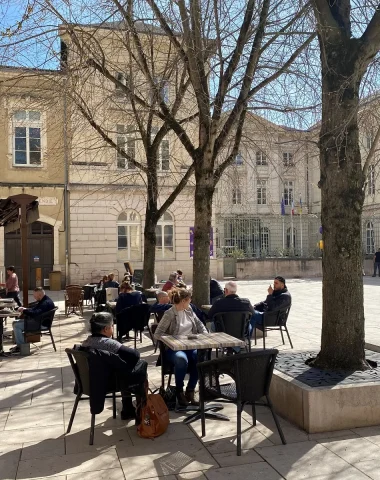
(44, 304)
(231, 302)
(278, 298)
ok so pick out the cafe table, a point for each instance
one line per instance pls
(204, 341)
(3, 316)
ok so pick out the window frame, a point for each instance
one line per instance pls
(262, 190)
(288, 192)
(288, 159)
(236, 196)
(371, 182)
(160, 250)
(370, 238)
(261, 158)
(127, 139)
(129, 223)
(28, 124)
(165, 141)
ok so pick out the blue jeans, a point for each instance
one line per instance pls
(18, 328)
(256, 319)
(376, 266)
(184, 360)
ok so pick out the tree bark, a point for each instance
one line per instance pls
(204, 191)
(151, 220)
(341, 183)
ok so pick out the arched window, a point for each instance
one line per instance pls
(265, 241)
(165, 237)
(236, 196)
(289, 243)
(370, 236)
(129, 236)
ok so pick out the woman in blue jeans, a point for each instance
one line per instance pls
(181, 320)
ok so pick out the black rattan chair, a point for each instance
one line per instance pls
(235, 324)
(40, 325)
(275, 321)
(153, 328)
(80, 365)
(134, 318)
(252, 374)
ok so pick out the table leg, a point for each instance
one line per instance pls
(211, 411)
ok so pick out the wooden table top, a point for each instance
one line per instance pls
(111, 304)
(203, 341)
(206, 308)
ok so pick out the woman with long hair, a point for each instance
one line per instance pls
(181, 320)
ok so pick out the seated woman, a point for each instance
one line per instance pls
(181, 320)
(133, 371)
(102, 282)
(127, 297)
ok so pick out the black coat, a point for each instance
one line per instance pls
(108, 372)
(278, 300)
(230, 303)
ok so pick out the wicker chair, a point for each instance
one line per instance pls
(73, 299)
(45, 321)
(274, 321)
(134, 318)
(252, 374)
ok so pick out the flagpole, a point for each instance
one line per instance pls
(283, 233)
(292, 228)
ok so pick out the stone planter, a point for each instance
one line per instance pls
(327, 401)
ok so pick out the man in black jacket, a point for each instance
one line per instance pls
(278, 298)
(44, 304)
(231, 302)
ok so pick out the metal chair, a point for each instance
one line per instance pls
(80, 365)
(235, 324)
(275, 320)
(158, 316)
(73, 299)
(252, 375)
(134, 318)
(44, 322)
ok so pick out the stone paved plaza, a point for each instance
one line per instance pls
(36, 400)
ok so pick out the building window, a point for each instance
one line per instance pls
(163, 151)
(289, 242)
(239, 159)
(163, 90)
(265, 240)
(27, 137)
(261, 158)
(165, 237)
(129, 236)
(236, 196)
(370, 237)
(371, 180)
(288, 192)
(287, 158)
(120, 77)
(126, 141)
(262, 192)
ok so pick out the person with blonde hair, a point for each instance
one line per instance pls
(181, 320)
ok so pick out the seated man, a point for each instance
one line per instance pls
(172, 282)
(111, 283)
(231, 302)
(44, 304)
(278, 298)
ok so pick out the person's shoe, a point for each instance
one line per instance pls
(15, 349)
(374, 275)
(190, 397)
(181, 399)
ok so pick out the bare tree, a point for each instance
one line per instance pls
(348, 46)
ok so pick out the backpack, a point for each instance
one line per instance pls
(154, 417)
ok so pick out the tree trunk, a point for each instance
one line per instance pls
(204, 191)
(149, 247)
(341, 184)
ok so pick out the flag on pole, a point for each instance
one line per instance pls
(282, 206)
(300, 205)
(292, 207)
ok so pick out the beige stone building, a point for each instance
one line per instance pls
(32, 161)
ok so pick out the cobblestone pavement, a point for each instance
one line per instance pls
(36, 400)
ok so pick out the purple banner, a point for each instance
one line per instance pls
(191, 230)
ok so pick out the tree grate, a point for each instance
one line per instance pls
(293, 364)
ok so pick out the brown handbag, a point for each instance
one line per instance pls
(154, 417)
